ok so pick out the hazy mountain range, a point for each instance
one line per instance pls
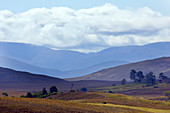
(67, 63)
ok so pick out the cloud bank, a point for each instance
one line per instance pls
(86, 29)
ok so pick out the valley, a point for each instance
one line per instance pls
(102, 91)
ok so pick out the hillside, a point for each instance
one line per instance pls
(12, 80)
(119, 72)
(19, 81)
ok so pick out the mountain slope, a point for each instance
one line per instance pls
(118, 73)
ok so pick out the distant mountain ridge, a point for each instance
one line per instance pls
(66, 63)
(120, 72)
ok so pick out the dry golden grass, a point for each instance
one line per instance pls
(90, 102)
(25, 105)
(119, 99)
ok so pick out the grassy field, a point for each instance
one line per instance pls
(138, 90)
(83, 102)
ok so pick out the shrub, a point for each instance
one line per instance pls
(110, 91)
(113, 84)
(22, 96)
(104, 102)
(167, 93)
(29, 95)
(44, 91)
(53, 89)
(155, 87)
(5, 94)
(50, 98)
(37, 95)
(123, 82)
(83, 89)
(72, 91)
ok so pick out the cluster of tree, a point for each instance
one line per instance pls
(149, 78)
(43, 93)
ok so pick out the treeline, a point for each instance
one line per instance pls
(53, 91)
(43, 93)
(148, 78)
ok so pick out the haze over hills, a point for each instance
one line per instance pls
(120, 72)
(67, 63)
(20, 66)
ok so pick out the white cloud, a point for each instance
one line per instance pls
(86, 29)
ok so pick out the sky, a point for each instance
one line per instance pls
(85, 25)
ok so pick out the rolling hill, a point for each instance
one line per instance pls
(119, 72)
(19, 81)
(12, 80)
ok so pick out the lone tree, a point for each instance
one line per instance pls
(44, 91)
(123, 82)
(53, 89)
(167, 93)
(5, 94)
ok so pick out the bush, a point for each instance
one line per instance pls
(123, 82)
(113, 84)
(104, 102)
(72, 91)
(44, 91)
(50, 98)
(155, 87)
(83, 89)
(37, 95)
(5, 94)
(110, 91)
(22, 96)
(53, 89)
(167, 93)
(29, 95)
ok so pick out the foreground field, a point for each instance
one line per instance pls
(83, 102)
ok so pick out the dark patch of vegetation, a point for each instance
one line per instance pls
(167, 93)
(149, 79)
(83, 89)
(5, 94)
(113, 84)
(42, 94)
(123, 82)
(53, 89)
(110, 91)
